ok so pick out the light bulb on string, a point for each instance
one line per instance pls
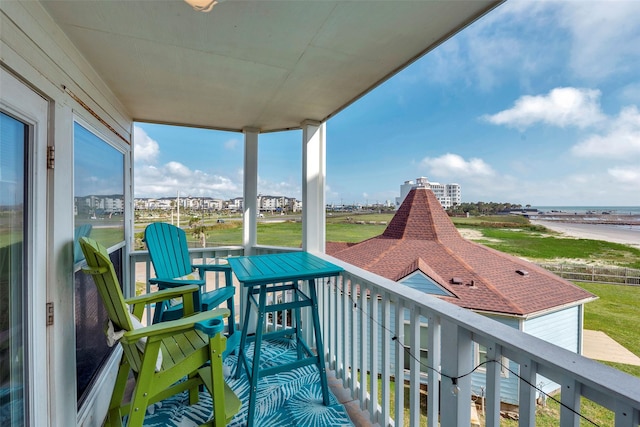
(454, 386)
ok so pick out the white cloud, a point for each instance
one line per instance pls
(561, 107)
(479, 181)
(289, 188)
(626, 175)
(168, 179)
(153, 180)
(145, 149)
(630, 94)
(527, 40)
(605, 37)
(621, 139)
(489, 51)
(231, 144)
(453, 165)
(177, 169)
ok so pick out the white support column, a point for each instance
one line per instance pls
(250, 194)
(313, 183)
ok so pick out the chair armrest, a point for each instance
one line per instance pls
(138, 303)
(163, 295)
(164, 329)
(211, 327)
(212, 267)
(170, 283)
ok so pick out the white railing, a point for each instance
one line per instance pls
(364, 318)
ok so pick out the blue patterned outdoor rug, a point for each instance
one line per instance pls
(291, 398)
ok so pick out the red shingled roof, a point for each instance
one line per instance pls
(422, 237)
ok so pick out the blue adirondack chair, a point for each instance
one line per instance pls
(80, 231)
(169, 253)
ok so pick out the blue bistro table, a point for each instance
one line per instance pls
(262, 274)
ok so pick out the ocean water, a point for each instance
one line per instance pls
(619, 210)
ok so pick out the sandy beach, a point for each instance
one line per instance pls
(627, 235)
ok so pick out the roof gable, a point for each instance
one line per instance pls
(421, 237)
(421, 282)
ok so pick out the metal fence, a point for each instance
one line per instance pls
(592, 273)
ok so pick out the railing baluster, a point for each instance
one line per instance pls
(414, 366)
(365, 347)
(626, 416)
(386, 361)
(492, 389)
(323, 313)
(340, 366)
(455, 403)
(527, 394)
(353, 361)
(373, 355)
(399, 365)
(348, 339)
(332, 316)
(570, 398)
(433, 379)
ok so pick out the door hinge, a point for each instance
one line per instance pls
(51, 157)
(49, 313)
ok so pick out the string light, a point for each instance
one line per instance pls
(455, 389)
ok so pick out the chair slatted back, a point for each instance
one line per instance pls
(168, 250)
(104, 276)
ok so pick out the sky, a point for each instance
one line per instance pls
(535, 103)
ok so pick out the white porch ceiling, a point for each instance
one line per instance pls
(264, 64)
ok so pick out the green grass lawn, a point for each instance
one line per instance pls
(615, 313)
(510, 234)
(535, 245)
(287, 233)
(493, 221)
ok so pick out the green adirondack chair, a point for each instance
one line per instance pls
(169, 253)
(176, 354)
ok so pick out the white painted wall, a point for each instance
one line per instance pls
(34, 49)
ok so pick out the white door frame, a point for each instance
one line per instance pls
(19, 101)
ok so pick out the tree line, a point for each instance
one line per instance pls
(483, 208)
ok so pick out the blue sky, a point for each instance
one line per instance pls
(536, 103)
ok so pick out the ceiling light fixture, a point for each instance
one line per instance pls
(203, 5)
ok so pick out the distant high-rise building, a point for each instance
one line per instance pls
(447, 194)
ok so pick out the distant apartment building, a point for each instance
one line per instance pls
(265, 203)
(447, 194)
(93, 205)
(236, 204)
(278, 203)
